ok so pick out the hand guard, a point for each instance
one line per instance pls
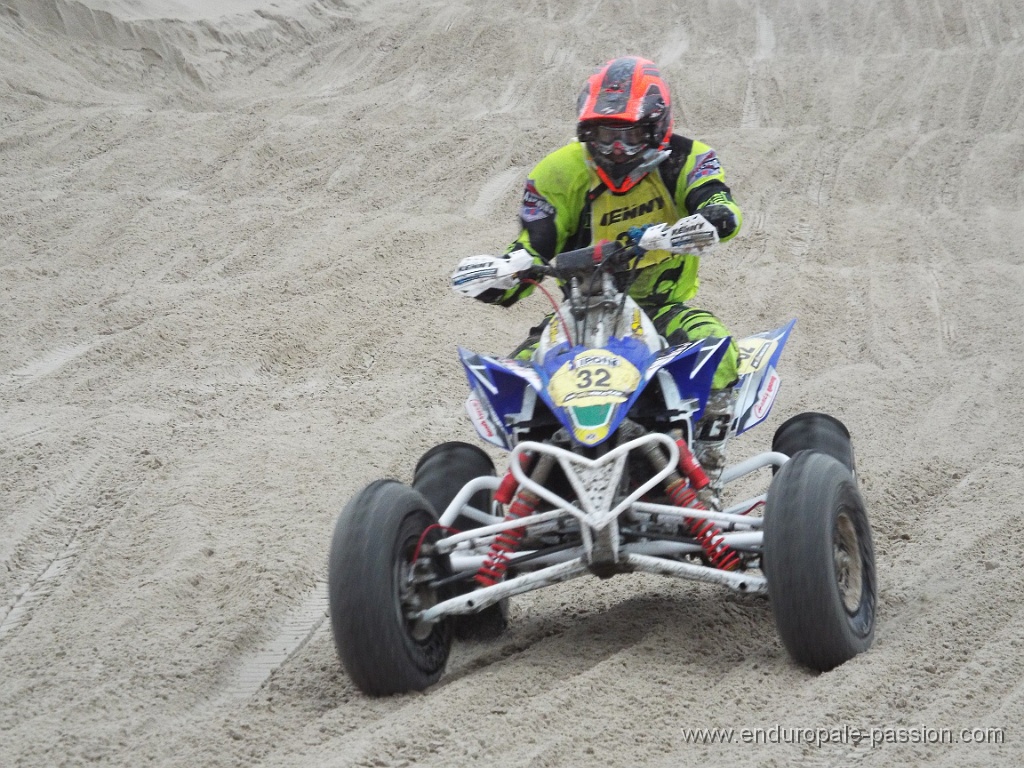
(476, 274)
(692, 234)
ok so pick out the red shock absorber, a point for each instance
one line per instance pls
(707, 534)
(507, 542)
(691, 467)
(509, 485)
(682, 494)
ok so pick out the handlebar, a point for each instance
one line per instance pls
(606, 254)
(691, 234)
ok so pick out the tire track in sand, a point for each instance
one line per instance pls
(48, 549)
(751, 116)
(293, 632)
(46, 364)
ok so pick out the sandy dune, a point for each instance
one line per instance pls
(225, 234)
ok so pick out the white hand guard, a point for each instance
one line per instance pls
(476, 274)
(692, 234)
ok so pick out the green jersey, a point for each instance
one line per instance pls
(565, 206)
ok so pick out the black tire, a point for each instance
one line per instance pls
(374, 540)
(819, 561)
(812, 431)
(440, 474)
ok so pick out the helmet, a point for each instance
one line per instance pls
(624, 110)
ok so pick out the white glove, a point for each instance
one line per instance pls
(476, 274)
(692, 234)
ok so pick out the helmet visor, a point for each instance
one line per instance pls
(605, 139)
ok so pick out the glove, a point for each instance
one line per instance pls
(476, 274)
(722, 217)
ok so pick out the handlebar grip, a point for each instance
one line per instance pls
(603, 252)
(576, 261)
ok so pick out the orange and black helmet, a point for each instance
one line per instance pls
(623, 110)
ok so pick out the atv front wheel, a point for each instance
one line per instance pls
(374, 587)
(440, 474)
(819, 561)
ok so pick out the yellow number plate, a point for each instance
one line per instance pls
(594, 377)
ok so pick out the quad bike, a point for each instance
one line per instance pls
(602, 479)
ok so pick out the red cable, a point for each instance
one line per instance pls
(423, 537)
(751, 508)
(555, 304)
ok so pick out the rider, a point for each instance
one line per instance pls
(627, 168)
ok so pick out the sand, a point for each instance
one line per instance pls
(225, 235)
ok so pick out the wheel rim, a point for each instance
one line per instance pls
(848, 563)
(412, 598)
(427, 641)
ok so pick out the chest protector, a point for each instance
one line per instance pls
(646, 203)
(664, 277)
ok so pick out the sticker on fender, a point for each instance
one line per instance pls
(765, 398)
(754, 352)
(594, 377)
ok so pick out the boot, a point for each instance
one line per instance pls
(709, 437)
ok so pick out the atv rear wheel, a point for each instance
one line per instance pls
(440, 474)
(373, 588)
(812, 431)
(819, 561)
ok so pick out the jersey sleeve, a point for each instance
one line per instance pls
(702, 182)
(554, 195)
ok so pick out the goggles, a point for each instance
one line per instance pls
(629, 139)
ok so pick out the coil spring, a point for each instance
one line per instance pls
(507, 542)
(707, 534)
